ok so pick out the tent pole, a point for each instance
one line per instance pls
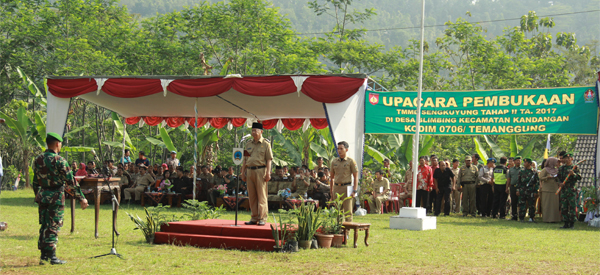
(123, 149)
(195, 147)
(415, 159)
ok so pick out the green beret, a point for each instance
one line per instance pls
(568, 155)
(54, 135)
(527, 160)
(517, 157)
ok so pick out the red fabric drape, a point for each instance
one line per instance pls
(218, 122)
(319, 123)
(201, 121)
(153, 120)
(201, 87)
(269, 124)
(265, 85)
(175, 122)
(331, 89)
(131, 87)
(237, 122)
(293, 124)
(326, 89)
(132, 120)
(67, 88)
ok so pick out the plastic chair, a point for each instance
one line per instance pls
(393, 200)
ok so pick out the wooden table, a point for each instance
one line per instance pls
(97, 184)
(356, 227)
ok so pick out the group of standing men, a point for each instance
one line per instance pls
(485, 188)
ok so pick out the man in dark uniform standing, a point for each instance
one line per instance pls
(256, 172)
(527, 190)
(568, 175)
(51, 175)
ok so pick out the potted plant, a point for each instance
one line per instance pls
(279, 231)
(289, 221)
(308, 224)
(336, 216)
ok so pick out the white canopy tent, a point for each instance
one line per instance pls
(337, 98)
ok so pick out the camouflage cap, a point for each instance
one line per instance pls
(55, 136)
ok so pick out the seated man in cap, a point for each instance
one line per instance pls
(142, 159)
(172, 160)
(142, 182)
(485, 182)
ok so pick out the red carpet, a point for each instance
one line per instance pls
(217, 234)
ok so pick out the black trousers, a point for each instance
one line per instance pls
(431, 201)
(478, 198)
(500, 197)
(445, 194)
(486, 199)
(321, 197)
(422, 195)
(514, 202)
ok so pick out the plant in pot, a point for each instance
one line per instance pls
(336, 216)
(289, 222)
(327, 229)
(308, 223)
(279, 232)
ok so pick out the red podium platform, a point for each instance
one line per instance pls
(217, 234)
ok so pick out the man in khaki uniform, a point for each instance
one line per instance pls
(381, 187)
(256, 172)
(141, 184)
(467, 178)
(455, 198)
(343, 169)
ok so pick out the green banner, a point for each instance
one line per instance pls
(497, 112)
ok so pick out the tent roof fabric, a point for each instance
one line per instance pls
(253, 97)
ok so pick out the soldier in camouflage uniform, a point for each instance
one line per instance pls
(568, 194)
(527, 190)
(51, 175)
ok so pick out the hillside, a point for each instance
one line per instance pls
(402, 17)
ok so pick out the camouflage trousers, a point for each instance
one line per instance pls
(568, 208)
(51, 220)
(525, 199)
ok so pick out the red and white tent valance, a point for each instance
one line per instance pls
(290, 101)
(218, 123)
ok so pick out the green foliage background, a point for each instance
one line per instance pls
(184, 37)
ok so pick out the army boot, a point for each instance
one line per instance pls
(43, 258)
(567, 225)
(572, 225)
(53, 259)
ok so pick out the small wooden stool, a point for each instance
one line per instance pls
(357, 227)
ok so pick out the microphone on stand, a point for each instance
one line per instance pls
(244, 138)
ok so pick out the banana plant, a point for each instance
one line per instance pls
(27, 82)
(120, 128)
(27, 135)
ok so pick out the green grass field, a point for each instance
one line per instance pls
(459, 245)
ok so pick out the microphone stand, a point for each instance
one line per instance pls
(115, 205)
(237, 188)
